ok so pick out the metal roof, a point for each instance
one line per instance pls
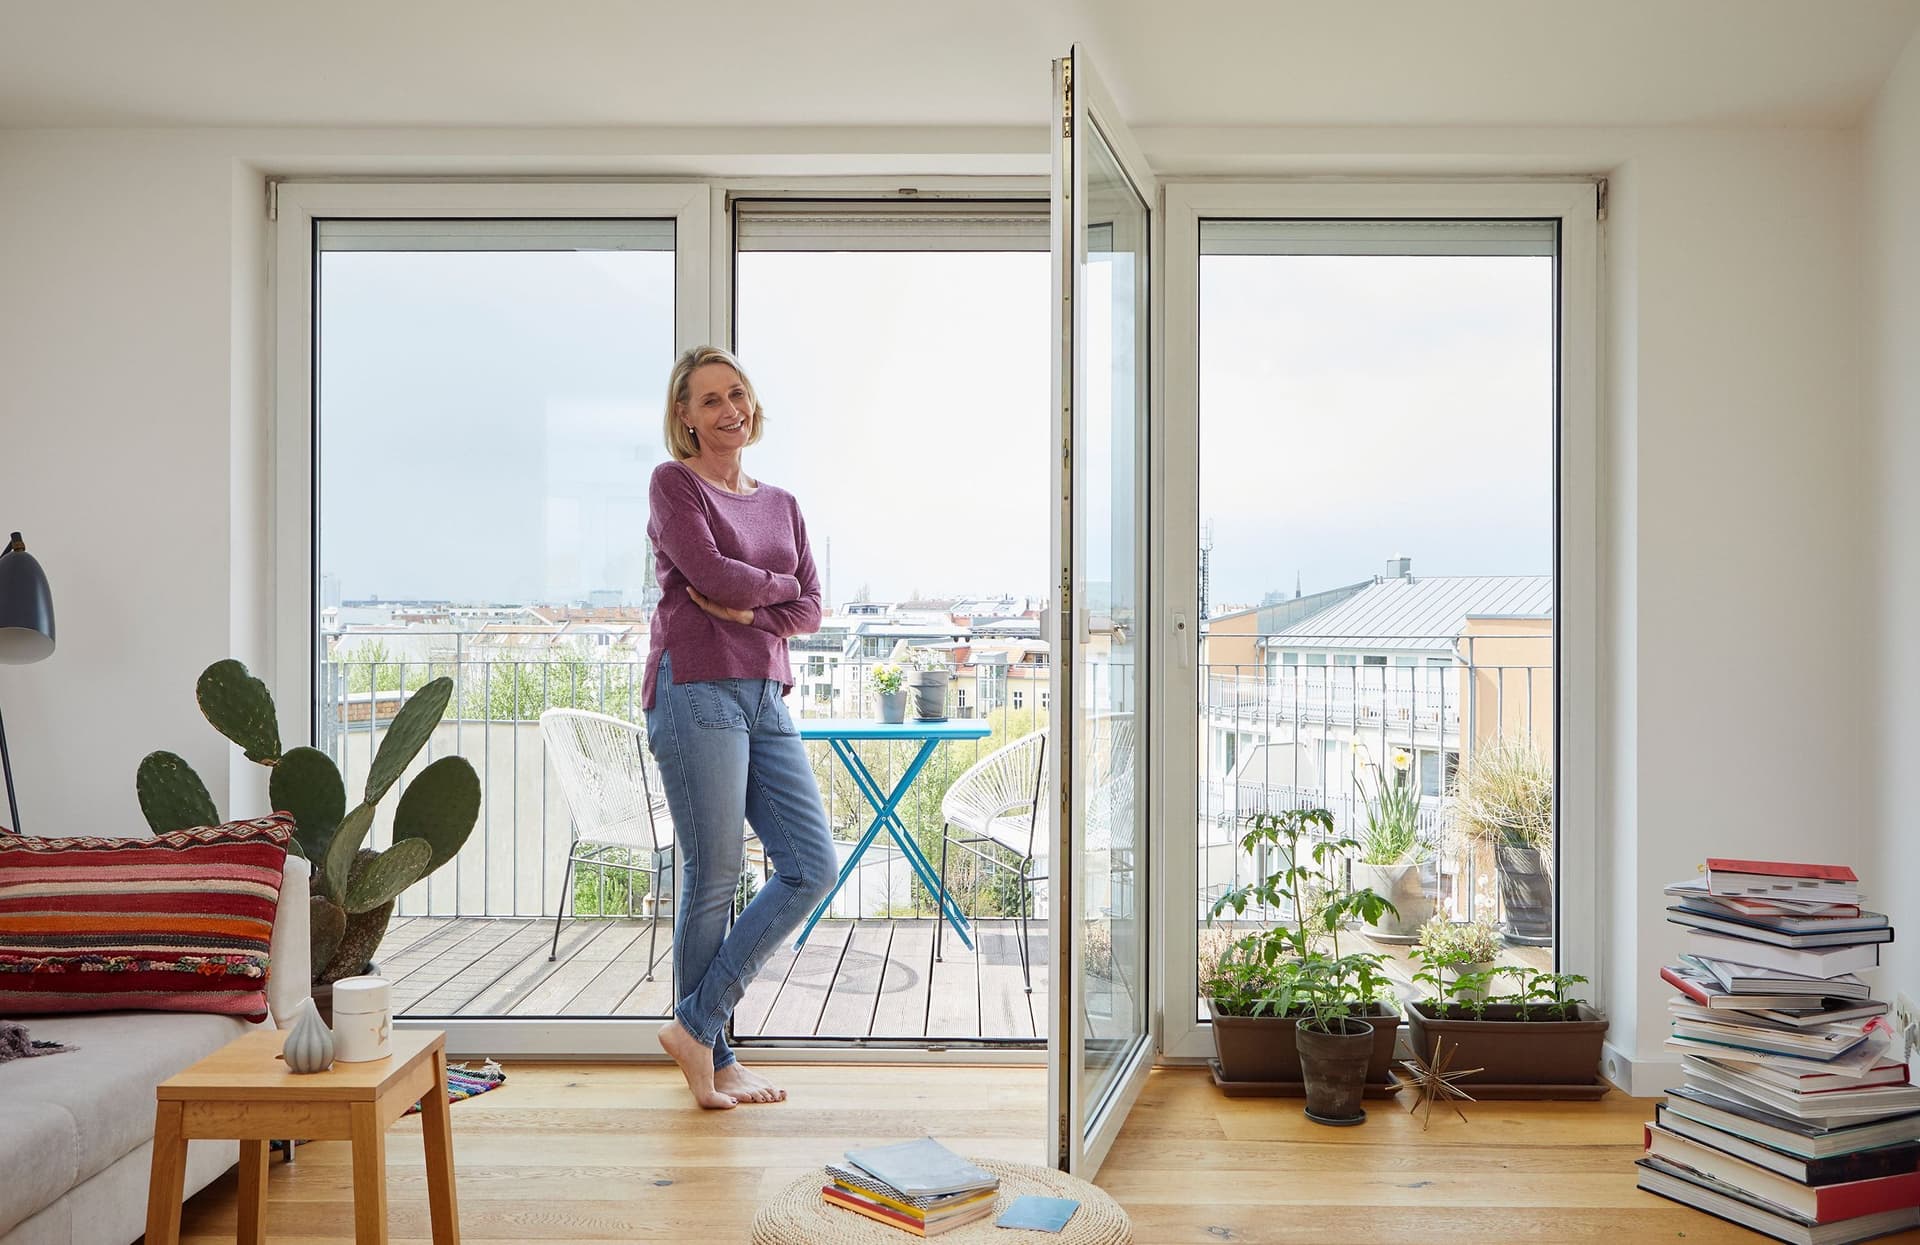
(1419, 612)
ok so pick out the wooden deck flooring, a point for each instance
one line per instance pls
(853, 979)
(865, 979)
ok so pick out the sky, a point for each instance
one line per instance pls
(489, 420)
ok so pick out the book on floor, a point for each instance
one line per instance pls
(1677, 1184)
(1786, 1134)
(1738, 978)
(1820, 963)
(1775, 879)
(1824, 1042)
(1702, 987)
(1827, 1109)
(1767, 932)
(1816, 1203)
(1789, 912)
(1851, 1066)
(922, 1168)
(1885, 1072)
(1829, 1013)
(1892, 1160)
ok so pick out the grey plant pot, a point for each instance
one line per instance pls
(893, 706)
(930, 694)
(1413, 889)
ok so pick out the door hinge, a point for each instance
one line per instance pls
(273, 198)
(1062, 1134)
(1600, 199)
(1066, 97)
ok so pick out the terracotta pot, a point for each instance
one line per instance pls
(1263, 1050)
(1512, 1051)
(1334, 1066)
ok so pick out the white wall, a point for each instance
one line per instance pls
(1738, 566)
(1893, 201)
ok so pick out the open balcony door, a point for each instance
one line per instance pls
(1101, 1040)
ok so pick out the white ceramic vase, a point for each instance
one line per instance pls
(309, 1044)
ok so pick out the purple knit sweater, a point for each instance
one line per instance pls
(742, 552)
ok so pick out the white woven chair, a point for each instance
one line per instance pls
(613, 789)
(997, 801)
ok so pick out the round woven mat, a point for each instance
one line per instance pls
(799, 1216)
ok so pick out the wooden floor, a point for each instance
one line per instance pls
(857, 979)
(595, 1152)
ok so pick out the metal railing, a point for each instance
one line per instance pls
(1284, 734)
(514, 862)
(1271, 737)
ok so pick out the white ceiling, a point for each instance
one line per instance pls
(943, 62)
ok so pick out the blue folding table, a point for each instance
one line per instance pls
(841, 734)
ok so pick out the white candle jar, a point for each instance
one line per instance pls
(362, 1019)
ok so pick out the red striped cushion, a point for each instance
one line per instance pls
(178, 922)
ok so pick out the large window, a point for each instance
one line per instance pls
(902, 352)
(470, 407)
(1379, 406)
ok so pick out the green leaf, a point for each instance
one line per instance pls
(439, 806)
(382, 879)
(241, 708)
(327, 925)
(346, 841)
(406, 735)
(171, 795)
(307, 784)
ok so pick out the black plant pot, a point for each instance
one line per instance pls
(1334, 1066)
(1526, 893)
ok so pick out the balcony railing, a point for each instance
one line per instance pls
(513, 864)
(1270, 738)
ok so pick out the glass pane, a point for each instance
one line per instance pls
(1377, 411)
(907, 398)
(488, 415)
(1108, 587)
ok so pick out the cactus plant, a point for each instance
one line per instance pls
(355, 886)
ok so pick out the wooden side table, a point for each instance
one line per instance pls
(244, 1091)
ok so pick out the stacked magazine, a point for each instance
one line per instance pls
(920, 1187)
(1797, 1118)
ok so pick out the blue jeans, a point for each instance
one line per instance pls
(730, 755)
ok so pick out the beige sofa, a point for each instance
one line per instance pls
(76, 1128)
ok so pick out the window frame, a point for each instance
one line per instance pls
(293, 674)
(1570, 201)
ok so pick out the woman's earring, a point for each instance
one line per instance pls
(689, 427)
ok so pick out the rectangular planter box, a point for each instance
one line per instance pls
(1260, 1049)
(1551, 1054)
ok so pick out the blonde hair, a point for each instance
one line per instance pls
(681, 442)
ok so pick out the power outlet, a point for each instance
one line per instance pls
(1906, 1019)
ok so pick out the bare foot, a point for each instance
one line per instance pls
(747, 1086)
(696, 1064)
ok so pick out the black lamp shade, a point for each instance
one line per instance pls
(26, 607)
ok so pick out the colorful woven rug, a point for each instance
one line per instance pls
(464, 1082)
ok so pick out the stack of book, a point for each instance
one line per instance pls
(917, 1186)
(1796, 1119)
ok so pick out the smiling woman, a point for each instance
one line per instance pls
(736, 580)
